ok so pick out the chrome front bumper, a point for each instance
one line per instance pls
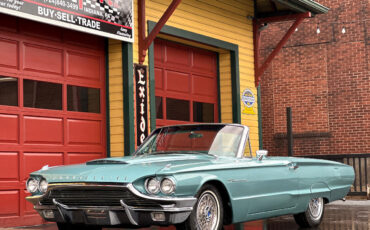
(176, 212)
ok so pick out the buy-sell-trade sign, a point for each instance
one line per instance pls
(108, 18)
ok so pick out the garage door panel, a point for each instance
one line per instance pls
(84, 132)
(204, 61)
(9, 53)
(42, 59)
(37, 130)
(177, 55)
(159, 79)
(38, 123)
(204, 86)
(40, 30)
(90, 64)
(77, 158)
(28, 206)
(35, 161)
(9, 200)
(189, 77)
(9, 128)
(178, 82)
(158, 54)
(9, 166)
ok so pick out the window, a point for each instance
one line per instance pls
(159, 107)
(83, 99)
(203, 112)
(177, 109)
(43, 95)
(8, 91)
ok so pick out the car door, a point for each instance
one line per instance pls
(264, 186)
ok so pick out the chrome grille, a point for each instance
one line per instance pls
(95, 196)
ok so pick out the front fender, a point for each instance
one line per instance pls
(190, 184)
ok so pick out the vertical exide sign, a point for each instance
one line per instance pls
(108, 18)
(141, 103)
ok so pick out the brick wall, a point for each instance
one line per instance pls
(325, 78)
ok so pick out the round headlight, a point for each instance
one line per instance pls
(32, 185)
(168, 186)
(43, 186)
(152, 186)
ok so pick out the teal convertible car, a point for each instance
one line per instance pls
(192, 176)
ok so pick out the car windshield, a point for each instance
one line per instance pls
(218, 140)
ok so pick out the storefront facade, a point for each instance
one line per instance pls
(67, 97)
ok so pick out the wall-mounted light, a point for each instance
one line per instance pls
(318, 30)
(263, 26)
(343, 30)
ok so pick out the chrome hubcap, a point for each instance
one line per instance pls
(316, 206)
(208, 211)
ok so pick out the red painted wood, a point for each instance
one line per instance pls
(44, 59)
(84, 132)
(185, 73)
(37, 130)
(9, 169)
(77, 60)
(145, 42)
(9, 128)
(34, 161)
(8, 54)
(31, 138)
(9, 200)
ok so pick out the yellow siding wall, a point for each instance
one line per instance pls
(225, 87)
(116, 98)
(221, 19)
(224, 20)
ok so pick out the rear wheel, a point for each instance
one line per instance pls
(312, 217)
(208, 211)
(67, 226)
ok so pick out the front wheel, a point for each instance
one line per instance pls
(208, 211)
(312, 217)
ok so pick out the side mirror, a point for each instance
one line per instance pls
(261, 154)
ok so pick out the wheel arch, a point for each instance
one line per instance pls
(226, 202)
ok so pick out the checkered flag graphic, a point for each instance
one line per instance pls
(119, 13)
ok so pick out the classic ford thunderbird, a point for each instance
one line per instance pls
(192, 176)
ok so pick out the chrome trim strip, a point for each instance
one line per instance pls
(243, 141)
(129, 186)
(129, 213)
(112, 208)
(158, 198)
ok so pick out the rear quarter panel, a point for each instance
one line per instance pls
(321, 178)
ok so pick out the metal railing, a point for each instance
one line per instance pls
(361, 165)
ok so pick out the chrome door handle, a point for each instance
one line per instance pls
(293, 166)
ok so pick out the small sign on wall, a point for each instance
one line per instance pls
(140, 72)
(248, 100)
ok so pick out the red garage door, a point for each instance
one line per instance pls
(52, 107)
(185, 84)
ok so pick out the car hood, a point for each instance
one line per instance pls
(123, 170)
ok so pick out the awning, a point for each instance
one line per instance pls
(270, 8)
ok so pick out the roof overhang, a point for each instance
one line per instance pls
(270, 8)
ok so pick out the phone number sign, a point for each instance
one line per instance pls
(108, 18)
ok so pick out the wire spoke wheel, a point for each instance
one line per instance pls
(208, 211)
(312, 217)
(316, 207)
